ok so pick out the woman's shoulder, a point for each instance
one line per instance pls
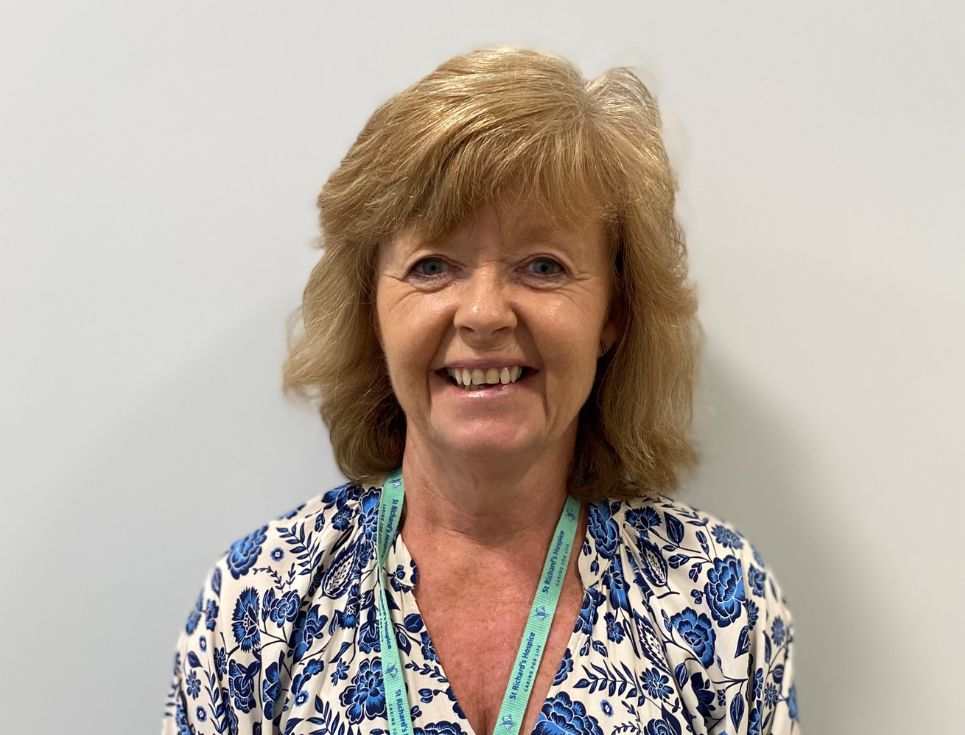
(287, 583)
(297, 542)
(683, 530)
(317, 546)
(676, 546)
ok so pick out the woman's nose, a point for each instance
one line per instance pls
(485, 304)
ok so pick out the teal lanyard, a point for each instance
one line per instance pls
(534, 637)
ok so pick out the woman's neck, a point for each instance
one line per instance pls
(479, 516)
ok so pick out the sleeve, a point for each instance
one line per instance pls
(198, 699)
(771, 697)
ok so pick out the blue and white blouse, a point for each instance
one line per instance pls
(683, 629)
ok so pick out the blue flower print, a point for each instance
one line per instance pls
(312, 668)
(562, 716)
(771, 695)
(369, 633)
(751, 613)
(588, 613)
(643, 519)
(271, 687)
(210, 615)
(756, 578)
(614, 631)
(244, 623)
(654, 563)
(241, 684)
(232, 718)
(656, 684)
(195, 615)
(285, 633)
(397, 579)
(244, 552)
(339, 496)
(604, 529)
(193, 684)
(565, 667)
(705, 695)
(439, 728)
(698, 631)
(369, 512)
(727, 538)
(341, 519)
(617, 585)
(757, 684)
(307, 628)
(181, 720)
(754, 722)
(192, 621)
(428, 651)
(365, 697)
(340, 672)
(220, 661)
(777, 631)
(725, 590)
(285, 608)
(666, 725)
(348, 617)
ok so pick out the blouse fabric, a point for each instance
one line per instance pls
(683, 629)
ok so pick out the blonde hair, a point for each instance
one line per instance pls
(483, 124)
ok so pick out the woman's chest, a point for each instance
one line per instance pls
(477, 641)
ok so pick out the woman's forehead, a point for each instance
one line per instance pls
(517, 226)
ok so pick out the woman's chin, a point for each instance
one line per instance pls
(487, 440)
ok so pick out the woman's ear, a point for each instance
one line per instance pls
(616, 321)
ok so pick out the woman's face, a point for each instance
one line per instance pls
(505, 289)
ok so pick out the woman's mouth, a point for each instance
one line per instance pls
(487, 389)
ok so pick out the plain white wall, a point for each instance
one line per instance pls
(159, 164)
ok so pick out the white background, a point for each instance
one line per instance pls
(159, 164)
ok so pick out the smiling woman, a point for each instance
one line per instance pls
(502, 342)
(485, 310)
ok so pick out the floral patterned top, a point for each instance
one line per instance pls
(683, 629)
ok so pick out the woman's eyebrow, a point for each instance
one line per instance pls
(552, 237)
(528, 234)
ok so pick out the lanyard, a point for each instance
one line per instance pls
(534, 636)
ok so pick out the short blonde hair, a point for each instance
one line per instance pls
(483, 124)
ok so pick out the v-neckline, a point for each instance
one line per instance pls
(590, 567)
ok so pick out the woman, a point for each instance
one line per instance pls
(502, 343)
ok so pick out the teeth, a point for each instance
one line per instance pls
(492, 376)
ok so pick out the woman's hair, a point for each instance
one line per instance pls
(481, 125)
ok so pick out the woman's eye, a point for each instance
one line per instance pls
(435, 267)
(545, 267)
